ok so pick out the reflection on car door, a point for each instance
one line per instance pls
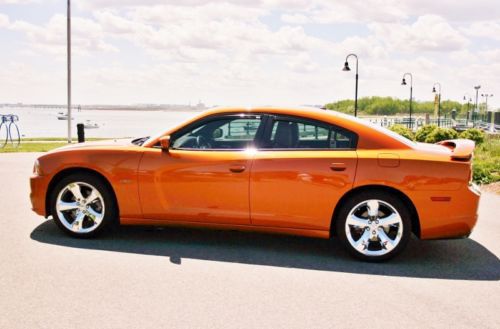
(300, 172)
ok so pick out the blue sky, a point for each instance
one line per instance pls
(246, 52)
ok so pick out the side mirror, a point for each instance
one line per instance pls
(165, 143)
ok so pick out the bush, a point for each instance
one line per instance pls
(473, 134)
(403, 131)
(484, 172)
(486, 161)
(441, 134)
(423, 132)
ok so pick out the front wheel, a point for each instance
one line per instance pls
(83, 205)
(374, 226)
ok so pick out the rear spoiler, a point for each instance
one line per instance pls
(461, 149)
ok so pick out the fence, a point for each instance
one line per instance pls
(405, 121)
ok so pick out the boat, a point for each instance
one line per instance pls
(62, 116)
(90, 125)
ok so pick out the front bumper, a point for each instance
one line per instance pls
(38, 192)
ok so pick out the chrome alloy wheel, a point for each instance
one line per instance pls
(80, 207)
(374, 227)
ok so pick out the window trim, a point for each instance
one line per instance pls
(286, 117)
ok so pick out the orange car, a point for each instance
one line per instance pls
(297, 171)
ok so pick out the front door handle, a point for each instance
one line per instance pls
(237, 168)
(338, 166)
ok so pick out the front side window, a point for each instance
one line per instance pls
(296, 133)
(231, 132)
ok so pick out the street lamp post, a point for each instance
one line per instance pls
(486, 105)
(439, 101)
(68, 35)
(347, 68)
(476, 108)
(469, 99)
(403, 82)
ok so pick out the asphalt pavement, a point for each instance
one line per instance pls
(144, 277)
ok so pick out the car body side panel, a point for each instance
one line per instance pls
(195, 185)
(438, 188)
(118, 166)
(299, 189)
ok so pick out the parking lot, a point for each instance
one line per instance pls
(185, 278)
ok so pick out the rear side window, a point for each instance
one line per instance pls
(297, 133)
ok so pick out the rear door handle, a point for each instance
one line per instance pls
(237, 168)
(338, 166)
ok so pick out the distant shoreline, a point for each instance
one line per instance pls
(164, 108)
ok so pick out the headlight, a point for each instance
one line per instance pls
(36, 169)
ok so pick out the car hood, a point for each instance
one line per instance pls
(112, 143)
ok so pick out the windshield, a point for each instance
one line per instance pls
(140, 141)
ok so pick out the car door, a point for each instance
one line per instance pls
(205, 175)
(301, 170)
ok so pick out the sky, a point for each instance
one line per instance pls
(247, 53)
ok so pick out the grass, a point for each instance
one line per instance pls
(41, 144)
(57, 139)
(32, 147)
(486, 163)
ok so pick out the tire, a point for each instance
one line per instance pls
(373, 235)
(83, 205)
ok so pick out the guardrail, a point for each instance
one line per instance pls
(9, 131)
(405, 121)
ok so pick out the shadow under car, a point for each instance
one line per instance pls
(462, 259)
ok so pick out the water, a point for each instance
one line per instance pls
(41, 122)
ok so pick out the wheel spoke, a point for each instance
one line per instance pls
(95, 216)
(386, 242)
(357, 221)
(63, 206)
(77, 225)
(92, 196)
(77, 193)
(362, 243)
(372, 208)
(390, 220)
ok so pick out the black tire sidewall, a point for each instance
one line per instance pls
(391, 199)
(110, 213)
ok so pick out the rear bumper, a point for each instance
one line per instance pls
(38, 192)
(454, 218)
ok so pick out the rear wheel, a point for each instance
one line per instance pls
(83, 205)
(374, 226)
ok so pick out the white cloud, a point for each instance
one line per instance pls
(428, 33)
(199, 34)
(295, 18)
(16, 2)
(484, 29)
(301, 63)
(4, 20)
(87, 36)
